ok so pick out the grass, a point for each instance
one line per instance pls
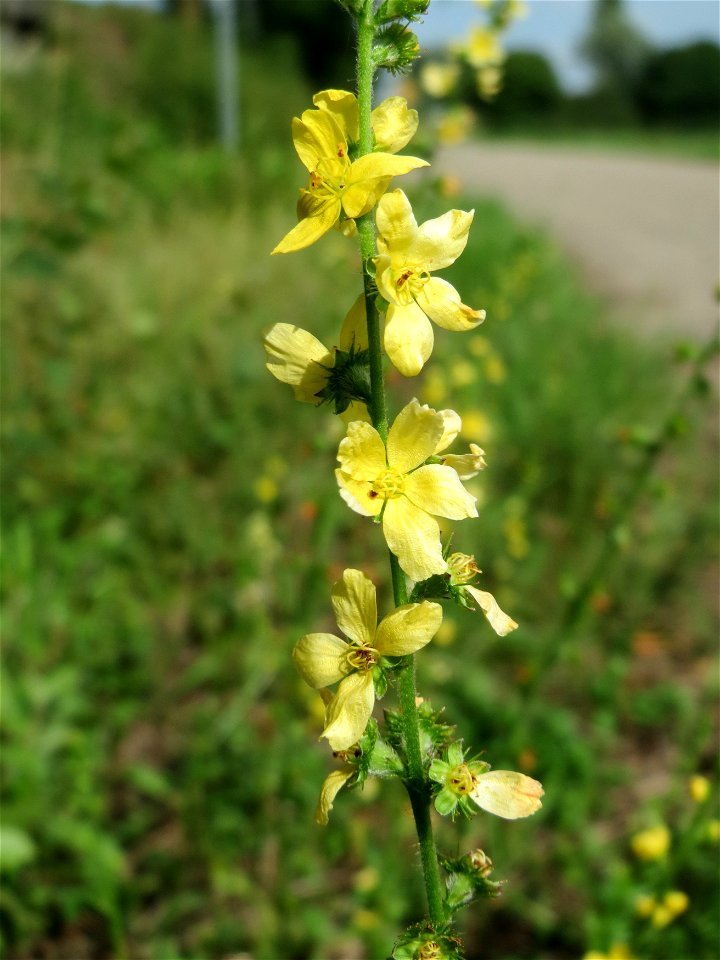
(172, 526)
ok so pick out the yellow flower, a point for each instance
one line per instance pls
(651, 844)
(439, 79)
(398, 487)
(699, 788)
(338, 186)
(299, 359)
(488, 81)
(408, 255)
(483, 48)
(324, 659)
(645, 905)
(676, 901)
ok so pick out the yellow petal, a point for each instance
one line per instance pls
(414, 537)
(320, 659)
(358, 495)
(467, 465)
(413, 436)
(501, 623)
(296, 357)
(396, 223)
(354, 329)
(349, 711)
(356, 411)
(310, 229)
(438, 490)
(441, 302)
(353, 600)
(507, 794)
(334, 782)
(439, 242)
(362, 453)
(344, 108)
(369, 176)
(408, 338)
(452, 425)
(316, 137)
(408, 628)
(393, 124)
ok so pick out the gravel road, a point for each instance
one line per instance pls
(643, 229)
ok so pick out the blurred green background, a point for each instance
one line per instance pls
(172, 526)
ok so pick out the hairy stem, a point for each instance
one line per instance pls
(417, 784)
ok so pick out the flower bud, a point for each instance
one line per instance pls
(395, 48)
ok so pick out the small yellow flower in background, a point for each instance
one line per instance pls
(398, 487)
(408, 255)
(645, 905)
(435, 386)
(456, 124)
(713, 831)
(439, 79)
(488, 82)
(449, 185)
(699, 788)
(676, 901)
(495, 369)
(618, 951)
(266, 489)
(299, 359)
(661, 917)
(483, 49)
(323, 659)
(476, 425)
(651, 844)
(338, 186)
(463, 373)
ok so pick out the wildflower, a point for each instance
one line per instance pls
(699, 788)
(488, 82)
(483, 48)
(651, 844)
(504, 793)
(397, 486)
(463, 569)
(439, 79)
(339, 187)
(317, 373)
(676, 901)
(645, 905)
(393, 125)
(408, 255)
(324, 659)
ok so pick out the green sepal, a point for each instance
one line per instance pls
(380, 682)
(446, 802)
(348, 379)
(395, 49)
(436, 587)
(410, 10)
(466, 882)
(427, 941)
(434, 734)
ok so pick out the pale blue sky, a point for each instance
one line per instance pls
(555, 27)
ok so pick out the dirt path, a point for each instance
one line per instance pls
(645, 230)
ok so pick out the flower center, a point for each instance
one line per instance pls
(329, 176)
(362, 657)
(460, 779)
(409, 282)
(388, 485)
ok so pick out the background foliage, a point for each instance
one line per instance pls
(172, 526)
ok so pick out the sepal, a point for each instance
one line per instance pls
(395, 49)
(347, 380)
(427, 941)
(377, 758)
(468, 879)
(409, 10)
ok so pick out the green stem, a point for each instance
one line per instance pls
(417, 784)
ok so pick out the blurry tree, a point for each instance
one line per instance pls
(682, 85)
(614, 45)
(530, 91)
(321, 29)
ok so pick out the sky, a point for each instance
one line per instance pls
(555, 27)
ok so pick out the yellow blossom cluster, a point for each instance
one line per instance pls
(401, 475)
